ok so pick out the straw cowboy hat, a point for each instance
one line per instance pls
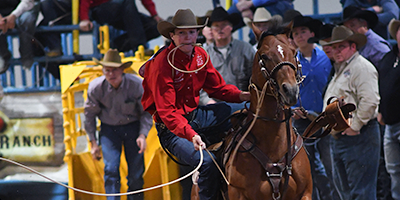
(352, 12)
(220, 14)
(393, 27)
(312, 24)
(263, 15)
(184, 18)
(342, 33)
(260, 15)
(112, 59)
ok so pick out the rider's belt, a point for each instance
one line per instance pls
(189, 117)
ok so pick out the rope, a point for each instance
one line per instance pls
(216, 164)
(259, 103)
(102, 194)
(181, 70)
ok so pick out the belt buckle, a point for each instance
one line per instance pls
(161, 125)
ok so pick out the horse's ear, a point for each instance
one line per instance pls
(287, 30)
(256, 31)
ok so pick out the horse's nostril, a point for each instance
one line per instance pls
(285, 88)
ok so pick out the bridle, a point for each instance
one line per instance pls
(269, 76)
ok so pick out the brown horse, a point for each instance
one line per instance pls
(264, 166)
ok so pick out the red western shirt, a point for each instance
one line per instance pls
(85, 5)
(170, 94)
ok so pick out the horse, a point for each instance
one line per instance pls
(264, 156)
(269, 161)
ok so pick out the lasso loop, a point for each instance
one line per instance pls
(173, 51)
(102, 194)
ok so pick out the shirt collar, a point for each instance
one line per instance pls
(351, 58)
(228, 46)
(314, 52)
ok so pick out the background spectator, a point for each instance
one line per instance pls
(361, 21)
(389, 90)
(115, 99)
(231, 57)
(139, 27)
(355, 150)
(385, 10)
(21, 15)
(316, 67)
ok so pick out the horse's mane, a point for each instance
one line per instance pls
(275, 30)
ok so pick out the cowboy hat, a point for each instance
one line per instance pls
(202, 19)
(263, 15)
(342, 33)
(288, 16)
(351, 12)
(183, 18)
(312, 24)
(220, 14)
(393, 27)
(112, 59)
(325, 32)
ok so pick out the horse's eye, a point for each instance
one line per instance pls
(265, 57)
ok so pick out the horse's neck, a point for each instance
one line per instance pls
(271, 134)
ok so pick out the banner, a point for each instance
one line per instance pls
(27, 139)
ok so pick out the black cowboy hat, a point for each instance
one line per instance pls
(352, 12)
(313, 24)
(289, 15)
(325, 31)
(220, 14)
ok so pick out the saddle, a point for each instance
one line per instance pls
(336, 116)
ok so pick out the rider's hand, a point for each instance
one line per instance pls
(85, 25)
(96, 154)
(198, 143)
(244, 96)
(141, 142)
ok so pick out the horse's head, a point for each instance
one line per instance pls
(275, 64)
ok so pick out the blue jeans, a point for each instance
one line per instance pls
(25, 24)
(355, 161)
(111, 139)
(392, 156)
(204, 116)
(324, 149)
(321, 184)
(52, 9)
(127, 18)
